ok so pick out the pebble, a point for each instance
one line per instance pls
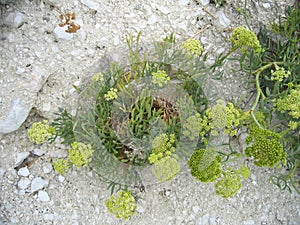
(183, 2)
(249, 222)
(2, 171)
(163, 9)
(204, 220)
(38, 184)
(14, 19)
(24, 183)
(152, 19)
(21, 157)
(47, 168)
(61, 178)
(43, 196)
(91, 4)
(196, 209)
(24, 172)
(61, 34)
(222, 19)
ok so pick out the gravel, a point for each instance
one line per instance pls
(40, 63)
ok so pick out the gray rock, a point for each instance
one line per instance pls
(24, 183)
(24, 172)
(47, 168)
(38, 184)
(152, 19)
(21, 157)
(14, 19)
(91, 4)
(61, 34)
(43, 196)
(2, 171)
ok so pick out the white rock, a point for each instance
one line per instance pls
(24, 172)
(58, 154)
(2, 171)
(196, 209)
(20, 70)
(203, 220)
(20, 158)
(24, 183)
(204, 2)
(152, 19)
(61, 34)
(47, 168)
(16, 116)
(91, 4)
(163, 9)
(249, 222)
(43, 196)
(183, 2)
(61, 178)
(14, 19)
(38, 184)
(39, 151)
(223, 20)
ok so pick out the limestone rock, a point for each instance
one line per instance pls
(38, 184)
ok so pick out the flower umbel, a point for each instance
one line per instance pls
(160, 77)
(111, 94)
(80, 154)
(245, 39)
(166, 169)
(123, 206)
(61, 165)
(40, 132)
(205, 165)
(193, 46)
(279, 74)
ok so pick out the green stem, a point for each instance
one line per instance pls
(291, 177)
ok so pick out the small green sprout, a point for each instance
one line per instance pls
(245, 39)
(80, 154)
(111, 94)
(40, 132)
(193, 46)
(61, 165)
(123, 206)
(160, 77)
(205, 165)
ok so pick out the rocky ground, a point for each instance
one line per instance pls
(40, 63)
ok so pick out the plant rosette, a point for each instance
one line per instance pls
(137, 118)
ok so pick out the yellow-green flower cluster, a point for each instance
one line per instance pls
(230, 181)
(245, 39)
(294, 125)
(166, 168)
(61, 165)
(160, 78)
(193, 46)
(98, 77)
(224, 118)
(290, 103)
(205, 165)
(40, 132)
(111, 94)
(266, 148)
(191, 128)
(123, 206)
(80, 154)
(166, 165)
(279, 74)
(163, 146)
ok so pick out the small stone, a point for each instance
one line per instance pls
(152, 19)
(20, 70)
(2, 171)
(38, 184)
(24, 183)
(47, 168)
(39, 152)
(21, 157)
(223, 20)
(61, 34)
(183, 2)
(163, 9)
(61, 178)
(203, 220)
(43, 196)
(249, 222)
(196, 209)
(24, 172)
(58, 154)
(91, 4)
(14, 19)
